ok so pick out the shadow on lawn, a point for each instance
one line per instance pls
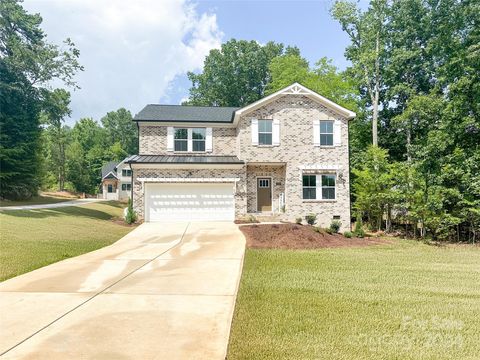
(57, 212)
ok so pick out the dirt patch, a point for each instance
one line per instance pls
(293, 236)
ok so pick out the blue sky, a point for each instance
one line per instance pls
(138, 52)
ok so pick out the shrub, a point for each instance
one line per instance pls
(311, 218)
(298, 220)
(131, 215)
(328, 231)
(359, 226)
(317, 229)
(252, 219)
(335, 226)
(348, 234)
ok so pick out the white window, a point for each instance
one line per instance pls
(126, 172)
(190, 139)
(126, 187)
(265, 132)
(326, 133)
(318, 187)
(198, 139)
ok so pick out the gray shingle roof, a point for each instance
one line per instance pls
(182, 159)
(186, 113)
(110, 166)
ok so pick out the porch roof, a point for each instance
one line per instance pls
(182, 159)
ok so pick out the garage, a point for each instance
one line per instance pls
(189, 202)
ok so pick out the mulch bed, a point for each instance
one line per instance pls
(293, 236)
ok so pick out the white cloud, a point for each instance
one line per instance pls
(131, 50)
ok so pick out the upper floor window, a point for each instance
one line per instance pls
(326, 133)
(198, 139)
(181, 139)
(126, 172)
(265, 132)
(319, 187)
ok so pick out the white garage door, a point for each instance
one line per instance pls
(189, 202)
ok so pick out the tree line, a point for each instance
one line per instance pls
(37, 149)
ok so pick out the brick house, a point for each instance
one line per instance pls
(285, 155)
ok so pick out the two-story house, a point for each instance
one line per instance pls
(116, 181)
(286, 154)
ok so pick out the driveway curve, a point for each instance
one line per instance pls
(164, 291)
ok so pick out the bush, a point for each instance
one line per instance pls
(348, 234)
(131, 215)
(298, 220)
(252, 219)
(311, 218)
(335, 226)
(317, 229)
(328, 231)
(359, 226)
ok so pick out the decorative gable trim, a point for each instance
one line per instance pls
(295, 89)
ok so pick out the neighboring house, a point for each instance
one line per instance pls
(285, 155)
(116, 181)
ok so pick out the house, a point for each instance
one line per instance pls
(116, 181)
(285, 155)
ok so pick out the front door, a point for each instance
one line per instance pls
(264, 194)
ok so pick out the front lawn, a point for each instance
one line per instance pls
(404, 300)
(34, 238)
(36, 200)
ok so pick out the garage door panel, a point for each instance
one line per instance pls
(189, 201)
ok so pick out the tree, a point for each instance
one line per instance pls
(56, 107)
(121, 129)
(366, 52)
(373, 186)
(235, 75)
(27, 63)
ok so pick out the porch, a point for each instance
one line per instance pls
(266, 188)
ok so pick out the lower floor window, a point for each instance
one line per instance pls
(110, 188)
(318, 187)
(126, 187)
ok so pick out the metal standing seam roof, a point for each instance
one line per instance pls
(182, 159)
(186, 113)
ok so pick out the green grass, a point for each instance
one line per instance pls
(36, 200)
(407, 300)
(34, 238)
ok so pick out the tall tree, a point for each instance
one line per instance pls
(235, 75)
(120, 128)
(56, 107)
(27, 63)
(367, 32)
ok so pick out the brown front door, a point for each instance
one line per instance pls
(264, 194)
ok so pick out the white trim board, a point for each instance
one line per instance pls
(189, 180)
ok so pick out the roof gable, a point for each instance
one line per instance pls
(295, 89)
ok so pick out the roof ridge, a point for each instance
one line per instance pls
(200, 106)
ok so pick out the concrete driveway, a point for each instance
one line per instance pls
(164, 291)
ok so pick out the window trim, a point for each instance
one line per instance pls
(265, 132)
(326, 133)
(309, 187)
(190, 140)
(126, 185)
(125, 172)
(319, 186)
